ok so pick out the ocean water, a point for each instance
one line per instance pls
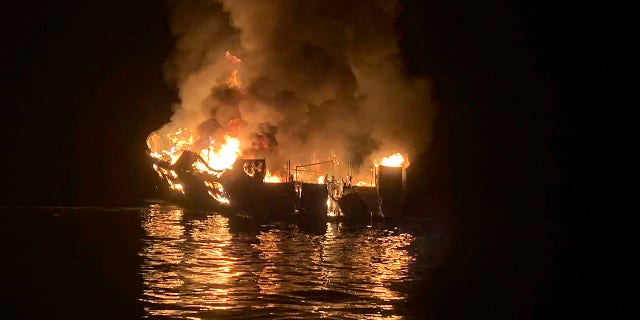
(159, 261)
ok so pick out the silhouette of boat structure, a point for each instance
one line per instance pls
(241, 189)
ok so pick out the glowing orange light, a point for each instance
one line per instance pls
(225, 156)
(363, 183)
(233, 80)
(271, 178)
(233, 59)
(395, 160)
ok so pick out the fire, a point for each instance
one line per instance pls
(363, 183)
(210, 156)
(395, 160)
(213, 160)
(216, 191)
(216, 156)
(171, 177)
(233, 81)
(226, 155)
(233, 59)
(272, 178)
(180, 140)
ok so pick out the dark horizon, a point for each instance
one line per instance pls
(83, 86)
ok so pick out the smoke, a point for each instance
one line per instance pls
(316, 78)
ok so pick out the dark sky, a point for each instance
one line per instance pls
(82, 87)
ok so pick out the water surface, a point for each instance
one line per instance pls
(161, 261)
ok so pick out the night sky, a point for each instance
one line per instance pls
(82, 87)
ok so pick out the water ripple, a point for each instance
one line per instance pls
(199, 268)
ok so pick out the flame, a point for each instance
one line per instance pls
(180, 140)
(394, 160)
(272, 178)
(214, 159)
(233, 81)
(216, 155)
(363, 183)
(171, 177)
(233, 59)
(226, 155)
(216, 191)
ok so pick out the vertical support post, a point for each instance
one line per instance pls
(333, 173)
(373, 175)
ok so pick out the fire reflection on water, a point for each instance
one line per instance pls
(200, 268)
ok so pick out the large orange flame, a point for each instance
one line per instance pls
(395, 160)
(272, 178)
(217, 156)
(225, 155)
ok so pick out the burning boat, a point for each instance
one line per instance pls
(214, 153)
(239, 188)
(246, 186)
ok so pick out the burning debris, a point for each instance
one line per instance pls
(267, 84)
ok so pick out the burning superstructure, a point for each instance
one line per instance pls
(246, 185)
(205, 161)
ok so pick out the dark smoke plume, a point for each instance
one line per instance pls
(316, 78)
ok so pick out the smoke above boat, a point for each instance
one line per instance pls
(305, 81)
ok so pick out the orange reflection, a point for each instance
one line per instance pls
(200, 268)
(186, 265)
